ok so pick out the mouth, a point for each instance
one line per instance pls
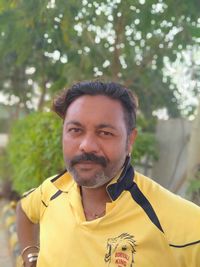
(87, 162)
(87, 165)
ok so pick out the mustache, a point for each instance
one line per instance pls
(89, 157)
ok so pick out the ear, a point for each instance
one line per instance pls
(131, 140)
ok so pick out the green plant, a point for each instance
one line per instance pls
(194, 187)
(145, 145)
(34, 149)
(4, 165)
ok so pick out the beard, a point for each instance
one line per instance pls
(97, 175)
(97, 180)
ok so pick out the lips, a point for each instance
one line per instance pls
(87, 162)
(87, 165)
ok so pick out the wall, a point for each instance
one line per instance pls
(170, 170)
(194, 147)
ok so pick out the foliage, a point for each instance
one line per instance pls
(46, 45)
(4, 165)
(145, 146)
(30, 29)
(194, 187)
(35, 150)
(127, 40)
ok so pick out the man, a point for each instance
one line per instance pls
(100, 212)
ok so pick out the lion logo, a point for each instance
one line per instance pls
(120, 251)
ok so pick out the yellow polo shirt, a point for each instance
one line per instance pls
(144, 226)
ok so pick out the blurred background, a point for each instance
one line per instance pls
(151, 47)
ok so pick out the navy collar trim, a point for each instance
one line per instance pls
(124, 182)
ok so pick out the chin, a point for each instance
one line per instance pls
(92, 182)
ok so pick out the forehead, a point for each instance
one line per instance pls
(98, 107)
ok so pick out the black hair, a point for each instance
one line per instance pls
(110, 89)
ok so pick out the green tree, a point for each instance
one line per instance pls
(127, 40)
(47, 44)
(33, 44)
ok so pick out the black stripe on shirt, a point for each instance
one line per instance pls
(56, 194)
(138, 196)
(185, 245)
(58, 176)
(44, 204)
(28, 193)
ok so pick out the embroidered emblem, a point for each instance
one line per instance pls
(120, 251)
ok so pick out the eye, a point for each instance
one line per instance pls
(124, 247)
(105, 133)
(74, 130)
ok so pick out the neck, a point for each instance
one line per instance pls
(95, 195)
(94, 201)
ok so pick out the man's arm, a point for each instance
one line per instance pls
(28, 233)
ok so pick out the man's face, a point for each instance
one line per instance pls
(95, 141)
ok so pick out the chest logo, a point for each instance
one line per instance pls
(120, 251)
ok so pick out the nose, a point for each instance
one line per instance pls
(89, 144)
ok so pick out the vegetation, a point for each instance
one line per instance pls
(35, 150)
(194, 187)
(4, 165)
(49, 44)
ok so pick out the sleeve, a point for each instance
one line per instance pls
(31, 204)
(36, 200)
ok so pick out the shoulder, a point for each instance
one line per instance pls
(35, 201)
(53, 185)
(161, 197)
(179, 217)
(62, 182)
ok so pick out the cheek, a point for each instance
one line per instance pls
(70, 145)
(116, 151)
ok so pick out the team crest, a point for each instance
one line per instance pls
(120, 251)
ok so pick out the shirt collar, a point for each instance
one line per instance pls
(124, 182)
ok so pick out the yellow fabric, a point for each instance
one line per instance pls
(124, 237)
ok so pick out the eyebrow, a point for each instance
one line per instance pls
(100, 126)
(74, 123)
(105, 125)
